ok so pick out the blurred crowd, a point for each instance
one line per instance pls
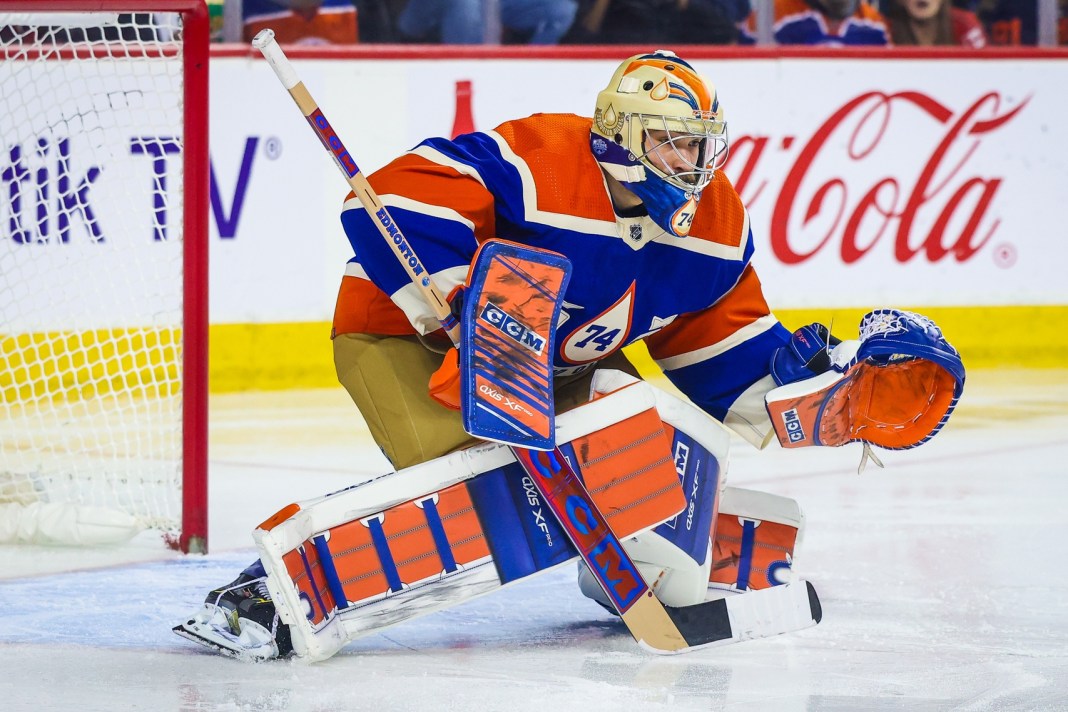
(964, 23)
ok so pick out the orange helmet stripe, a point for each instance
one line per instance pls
(689, 77)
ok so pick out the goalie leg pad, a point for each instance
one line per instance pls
(445, 531)
(675, 577)
(674, 558)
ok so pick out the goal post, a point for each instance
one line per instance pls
(103, 270)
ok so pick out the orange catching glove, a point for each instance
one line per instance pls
(894, 388)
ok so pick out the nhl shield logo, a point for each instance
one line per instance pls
(636, 233)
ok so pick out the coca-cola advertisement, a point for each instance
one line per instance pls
(900, 187)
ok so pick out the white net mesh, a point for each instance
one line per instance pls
(91, 262)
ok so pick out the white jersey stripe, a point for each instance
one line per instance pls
(435, 156)
(713, 249)
(559, 220)
(757, 328)
(355, 269)
(412, 302)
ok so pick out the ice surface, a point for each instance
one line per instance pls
(942, 577)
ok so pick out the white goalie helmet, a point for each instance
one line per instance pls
(658, 109)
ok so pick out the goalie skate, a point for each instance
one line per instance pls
(239, 620)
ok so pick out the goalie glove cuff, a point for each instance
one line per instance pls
(807, 354)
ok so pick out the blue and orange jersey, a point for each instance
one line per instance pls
(695, 300)
(798, 23)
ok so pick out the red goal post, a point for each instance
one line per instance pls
(103, 270)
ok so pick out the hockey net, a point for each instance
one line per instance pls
(103, 271)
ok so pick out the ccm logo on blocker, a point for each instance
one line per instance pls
(508, 325)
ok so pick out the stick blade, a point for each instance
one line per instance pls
(748, 616)
(508, 334)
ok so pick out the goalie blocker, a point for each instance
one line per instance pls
(436, 534)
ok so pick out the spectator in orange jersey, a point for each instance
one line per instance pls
(301, 21)
(823, 22)
(933, 22)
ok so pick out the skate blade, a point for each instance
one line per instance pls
(223, 643)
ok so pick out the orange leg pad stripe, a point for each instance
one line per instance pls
(628, 469)
(412, 551)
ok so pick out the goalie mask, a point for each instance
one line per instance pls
(658, 129)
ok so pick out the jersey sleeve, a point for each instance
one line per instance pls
(438, 198)
(720, 356)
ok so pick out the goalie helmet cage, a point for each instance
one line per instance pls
(103, 266)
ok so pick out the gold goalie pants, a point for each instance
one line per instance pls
(387, 377)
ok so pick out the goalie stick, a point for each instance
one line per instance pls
(657, 627)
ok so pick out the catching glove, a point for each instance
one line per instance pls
(895, 387)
